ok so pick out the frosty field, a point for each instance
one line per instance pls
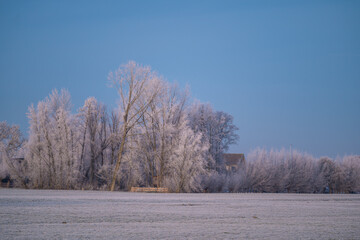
(50, 214)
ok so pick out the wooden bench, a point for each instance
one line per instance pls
(149, 189)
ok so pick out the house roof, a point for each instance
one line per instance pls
(233, 158)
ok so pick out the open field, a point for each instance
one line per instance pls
(50, 214)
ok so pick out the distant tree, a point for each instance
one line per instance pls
(218, 182)
(217, 129)
(327, 171)
(351, 174)
(299, 172)
(11, 148)
(257, 172)
(279, 171)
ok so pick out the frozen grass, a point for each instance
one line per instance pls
(50, 214)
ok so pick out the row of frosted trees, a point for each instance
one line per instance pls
(290, 172)
(264, 171)
(155, 137)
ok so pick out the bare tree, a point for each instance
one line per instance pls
(350, 166)
(160, 126)
(137, 87)
(217, 129)
(187, 161)
(11, 144)
(114, 126)
(95, 139)
(52, 149)
(328, 173)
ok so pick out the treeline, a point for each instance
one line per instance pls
(155, 137)
(290, 172)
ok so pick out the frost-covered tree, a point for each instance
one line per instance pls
(110, 139)
(159, 127)
(187, 161)
(137, 87)
(52, 149)
(114, 128)
(217, 129)
(11, 149)
(292, 172)
(328, 176)
(257, 171)
(95, 139)
(350, 166)
(278, 171)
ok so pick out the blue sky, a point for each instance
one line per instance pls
(288, 71)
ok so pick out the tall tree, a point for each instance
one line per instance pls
(137, 87)
(94, 138)
(160, 124)
(52, 147)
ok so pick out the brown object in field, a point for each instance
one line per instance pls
(149, 189)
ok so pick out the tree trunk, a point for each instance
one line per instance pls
(118, 162)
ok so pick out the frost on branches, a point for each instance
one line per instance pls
(155, 137)
(217, 130)
(152, 138)
(53, 147)
(11, 154)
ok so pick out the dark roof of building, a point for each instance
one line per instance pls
(233, 158)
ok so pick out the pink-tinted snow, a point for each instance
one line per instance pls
(50, 214)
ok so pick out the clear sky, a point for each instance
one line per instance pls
(288, 71)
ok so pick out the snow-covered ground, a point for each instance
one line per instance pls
(50, 214)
